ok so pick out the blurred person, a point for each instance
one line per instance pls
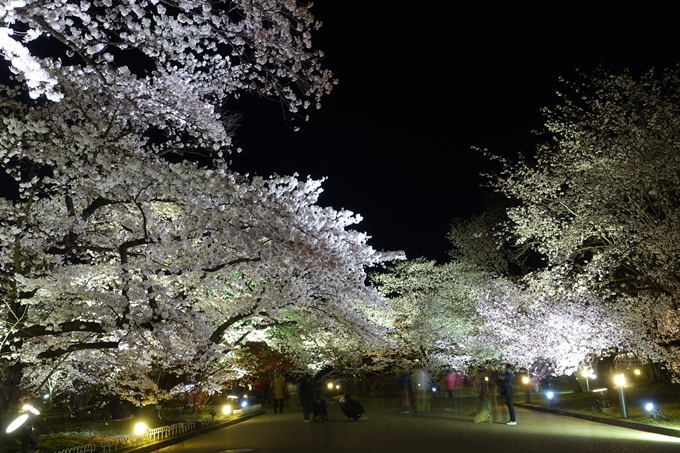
(404, 386)
(305, 390)
(420, 383)
(277, 385)
(320, 408)
(447, 384)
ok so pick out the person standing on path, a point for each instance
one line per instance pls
(306, 394)
(508, 379)
(277, 386)
(420, 381)
(448, 383)
(404, 385)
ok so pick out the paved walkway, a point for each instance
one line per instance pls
(385, 429)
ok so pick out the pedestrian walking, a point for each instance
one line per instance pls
(277, 385)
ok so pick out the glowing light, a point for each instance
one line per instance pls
(226, 409)
(244, 404)
(550, 395)
(17, 423)
(649, 407)
(525, 379)
(637, 372)
(330, 386)
(31, 409)
(620, 380)
(140, 429)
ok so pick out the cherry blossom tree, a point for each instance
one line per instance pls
(140, 269)
(549, 328)
(600, 202)
(434, 315)
(481, 241)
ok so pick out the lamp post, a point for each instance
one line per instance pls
(620, 381)
(586, 374)
(527, 389)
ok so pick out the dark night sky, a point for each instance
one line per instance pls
(422, 82)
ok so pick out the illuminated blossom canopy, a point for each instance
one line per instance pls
(601, 203)
(126, 264)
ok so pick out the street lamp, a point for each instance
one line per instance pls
(585, 374)
(527, 390)
(620, 381)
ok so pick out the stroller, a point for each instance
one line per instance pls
(319, 410)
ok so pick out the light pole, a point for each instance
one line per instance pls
(527, 389)
(585, 374)
(620, 380)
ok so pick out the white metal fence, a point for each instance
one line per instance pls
(155, 434)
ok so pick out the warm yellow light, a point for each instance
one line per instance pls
(140, 429)
(31, 409)
(337, 386)
(330, 385)
(620, 380)
(486, 378)
(226, 409)
(525, 379)
(637, 372)
(585, 373)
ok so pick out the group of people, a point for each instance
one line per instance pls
(419, 382)
(312, 407)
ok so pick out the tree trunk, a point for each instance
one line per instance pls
(10, 396)
(655, 372)
(605, 371)
(574, 383)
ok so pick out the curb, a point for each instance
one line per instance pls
(182, 437)
(608, 421)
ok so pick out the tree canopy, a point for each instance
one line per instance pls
(601, 200)
(125, 261)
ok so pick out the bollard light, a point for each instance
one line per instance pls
(652, 410)
(620, 381)
(226, 409)
(551, 397)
